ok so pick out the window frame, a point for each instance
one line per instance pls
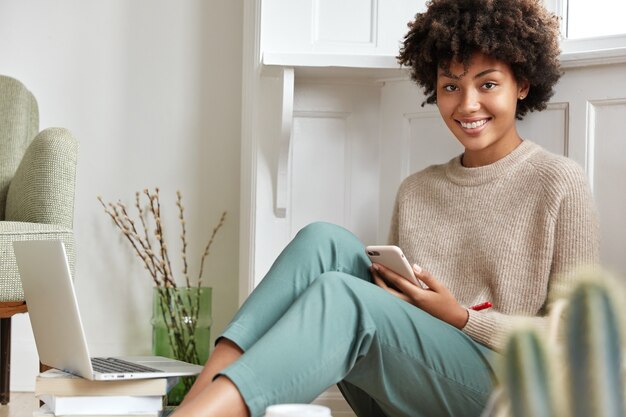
(599, 50)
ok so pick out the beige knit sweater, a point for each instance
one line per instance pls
(510, 233)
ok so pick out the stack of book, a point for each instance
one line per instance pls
(64, 394)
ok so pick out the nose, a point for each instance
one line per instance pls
(469, 102)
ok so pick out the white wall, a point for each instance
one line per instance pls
(151, 89)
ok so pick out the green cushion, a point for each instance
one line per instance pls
(10, 284)
(19, 123)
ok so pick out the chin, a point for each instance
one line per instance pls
(474, 144)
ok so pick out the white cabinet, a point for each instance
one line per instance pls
(358, 33)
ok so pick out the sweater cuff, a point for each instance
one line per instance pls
(493, 329)
(481, 328)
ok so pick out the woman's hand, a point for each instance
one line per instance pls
(436, 300)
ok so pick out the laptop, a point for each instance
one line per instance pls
(57, 326)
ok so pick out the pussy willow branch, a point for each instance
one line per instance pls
(126, 224)
(155, 208)
(146, 233)
(208, 246)
(112, 211)
(132, 230)
(156, 260)
(183, 235)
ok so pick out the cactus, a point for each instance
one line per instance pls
(594, 353)
(527, 376)
(592, 358)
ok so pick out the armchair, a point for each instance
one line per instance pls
(37, 179)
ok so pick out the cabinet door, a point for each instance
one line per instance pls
(369, 27)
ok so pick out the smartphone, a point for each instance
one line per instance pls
(391, 257)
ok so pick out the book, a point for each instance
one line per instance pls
(58, 383)
(44, 411)
(102, 405)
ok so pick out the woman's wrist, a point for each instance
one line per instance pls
(462, 317)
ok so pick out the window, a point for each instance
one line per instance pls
(588, 19)
(593, 31)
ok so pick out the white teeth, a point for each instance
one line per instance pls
(473, 125)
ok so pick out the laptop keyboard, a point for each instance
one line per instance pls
(114, 365)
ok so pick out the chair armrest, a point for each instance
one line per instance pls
(42, 190)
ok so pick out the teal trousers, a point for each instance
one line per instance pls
(316, 319)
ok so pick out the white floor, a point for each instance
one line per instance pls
(22, 404)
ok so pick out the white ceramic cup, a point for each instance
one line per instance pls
(297, 410)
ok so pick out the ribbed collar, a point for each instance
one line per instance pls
(461, 175)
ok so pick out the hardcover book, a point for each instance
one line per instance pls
(103, 405)
(44, 411)
(54, 382)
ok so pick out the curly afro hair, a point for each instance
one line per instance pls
(521, 33)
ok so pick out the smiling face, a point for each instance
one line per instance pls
(478, 106)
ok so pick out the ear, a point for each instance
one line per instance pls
(522, 89)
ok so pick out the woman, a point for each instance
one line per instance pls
(505, 222)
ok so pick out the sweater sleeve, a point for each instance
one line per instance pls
(576, 244)
(577, 236)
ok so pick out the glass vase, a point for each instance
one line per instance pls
(181, 329)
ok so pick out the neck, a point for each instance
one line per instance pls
(471, 176)
(495, 152)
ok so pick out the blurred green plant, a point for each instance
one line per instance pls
(527, 376)
(580, 377)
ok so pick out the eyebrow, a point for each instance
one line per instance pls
(448, 74)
